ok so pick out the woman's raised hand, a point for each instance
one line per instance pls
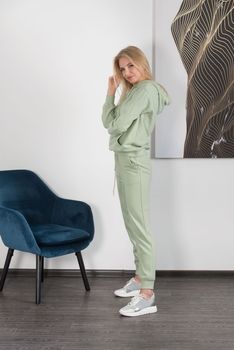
(113, 83)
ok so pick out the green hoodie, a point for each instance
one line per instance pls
(131, 122)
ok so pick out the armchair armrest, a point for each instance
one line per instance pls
(15, 231)
(74, 214)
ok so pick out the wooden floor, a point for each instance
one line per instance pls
(193, 313)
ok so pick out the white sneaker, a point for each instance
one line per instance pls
(131, 289)
(139, 306)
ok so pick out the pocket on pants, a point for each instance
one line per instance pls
(133, 162)
(140, 162)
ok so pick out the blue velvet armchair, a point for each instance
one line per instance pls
(33, 219)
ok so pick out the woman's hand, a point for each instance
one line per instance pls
(113, 84)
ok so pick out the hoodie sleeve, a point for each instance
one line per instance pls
(108, 111)
(130, 110)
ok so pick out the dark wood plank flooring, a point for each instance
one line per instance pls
(193, 313)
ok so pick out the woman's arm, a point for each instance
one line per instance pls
(130, 110)
(108, 112)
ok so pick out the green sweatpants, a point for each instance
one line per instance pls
(133, 174)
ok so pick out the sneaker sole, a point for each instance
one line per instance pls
(148, 310)
(123, 294)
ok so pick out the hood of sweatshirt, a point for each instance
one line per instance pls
(160, 93)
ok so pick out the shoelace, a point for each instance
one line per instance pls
(135, 300)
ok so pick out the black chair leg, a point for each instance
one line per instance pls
(38, 278)
(82, 270)
(6, 267)
(42, 269)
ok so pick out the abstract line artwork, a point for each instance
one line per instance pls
(203, 31)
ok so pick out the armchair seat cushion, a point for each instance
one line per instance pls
(54, 235)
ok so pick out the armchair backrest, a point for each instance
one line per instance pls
(24, 191)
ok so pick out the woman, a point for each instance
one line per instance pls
(130, 124)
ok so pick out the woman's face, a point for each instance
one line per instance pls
(129, 71)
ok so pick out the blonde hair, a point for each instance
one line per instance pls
(138, 58)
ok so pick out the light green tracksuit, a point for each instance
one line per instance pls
(130, 124)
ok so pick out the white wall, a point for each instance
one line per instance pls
(171, 125)
(53, 69)
(193, 213)
(56, 56)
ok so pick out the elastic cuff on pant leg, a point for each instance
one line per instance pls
(147, 284)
